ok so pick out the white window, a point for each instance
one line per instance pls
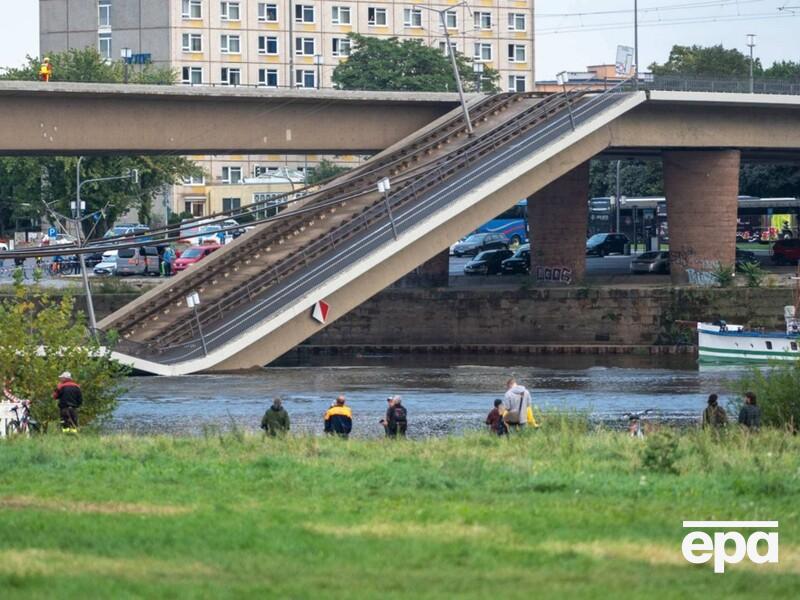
(304, 46)
(192, 9)
(230, 44)
(443, 47)
(194, 180)
(231, 175)
(192, 75)
(229, 11)
(304, 78)
(516, 83)
(231, 76)
(516, 53)
(340, 46)
(267, 13)
(267, 44)
(516, 22)
(104, 45)
(259, 170)
(192, 42)
(269, 206)
(340, 15)
(412, 17)
(267, 78)
(104, 13)
(483, 20)
(229, 204)
(451, 19)
(376, 16)
(483, 52)
(303, 13)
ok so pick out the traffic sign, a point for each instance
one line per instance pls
(321, 310)
(52, 232)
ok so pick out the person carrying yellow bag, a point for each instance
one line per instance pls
(518, 402)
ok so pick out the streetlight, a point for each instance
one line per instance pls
(193, 301)
(384, 185)
(751, 43)
(125, 54)
(318, 61)
(477, 68)
(442, 18)
(562, 79)
(78, 207)
(636, 42)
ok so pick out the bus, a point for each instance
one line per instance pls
(513, 223)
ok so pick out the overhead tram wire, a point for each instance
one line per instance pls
(645, 9)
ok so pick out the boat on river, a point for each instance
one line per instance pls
(725, 342)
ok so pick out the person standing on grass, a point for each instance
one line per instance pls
(396, 418)
(339, 419)
(714, 416)
(750, 415)
(69, 396)
(517, 402)
(276, 420)
(495, 419)
(385, 420)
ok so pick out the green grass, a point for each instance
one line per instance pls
(561, 513)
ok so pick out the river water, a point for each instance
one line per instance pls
(443, 395)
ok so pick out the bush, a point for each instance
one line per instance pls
(40, 337)
(724, 275)
(777, 391)
(753, 273)
(661, 452)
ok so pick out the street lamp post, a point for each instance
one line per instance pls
(751, 43)
(193, 301)
(125, 54)
(318, 62)
(477, 68)
(384, 185)
(562, 79)
(616, 201)
(443, 20)
(636, 42)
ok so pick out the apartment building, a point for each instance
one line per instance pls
(280, 43)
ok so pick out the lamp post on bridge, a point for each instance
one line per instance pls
(125, 54)
(477, 68)
(193, 301)
(751, 43)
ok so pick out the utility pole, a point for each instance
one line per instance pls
(636, 42)
(617, 200)
(751, 43)
(451, 53)
(291, 45)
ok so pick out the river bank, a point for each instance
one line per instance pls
(559, 514)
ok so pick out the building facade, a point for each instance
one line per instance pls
(280, 43)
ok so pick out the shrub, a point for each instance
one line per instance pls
(661, 452)
(723, 275)
(777, 391)
(753, 273)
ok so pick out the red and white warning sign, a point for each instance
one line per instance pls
(321, 310)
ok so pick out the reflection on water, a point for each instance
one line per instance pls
(444, 394)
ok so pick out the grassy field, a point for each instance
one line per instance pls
(556, 514)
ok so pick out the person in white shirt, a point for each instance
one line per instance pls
(516, 400)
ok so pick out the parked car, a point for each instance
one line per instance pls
(784, 252)
(602, 244)
(194, 254)
(651, 262)
(744, 257)
(129, 230)
(488, 262)
(520, 262)
(61, 239)
(478, 242)
(141, 260)
(4, 245)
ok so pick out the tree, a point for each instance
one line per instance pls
(777, 391)
(637, 178)
(786, 69)
(407, 66)
(42, 336)
(769, 180)
(326, 169)
(706, 61)
(26, 181)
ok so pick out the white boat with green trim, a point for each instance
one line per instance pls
(724, 342)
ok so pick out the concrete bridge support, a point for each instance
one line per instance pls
(557, 221)
(702, 189)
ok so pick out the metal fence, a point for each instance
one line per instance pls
(710, 84)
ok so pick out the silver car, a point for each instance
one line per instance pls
(651, 262)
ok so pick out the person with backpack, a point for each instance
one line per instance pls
(276, 420)
(714, 416)
(517, 401)
(396, 418)
(69, 396)
(495, 419)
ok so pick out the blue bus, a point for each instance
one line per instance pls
(513, 223)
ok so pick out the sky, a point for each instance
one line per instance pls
(570, 34)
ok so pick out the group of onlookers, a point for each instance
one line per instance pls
(715, 417)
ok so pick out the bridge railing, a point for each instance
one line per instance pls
(682, 83)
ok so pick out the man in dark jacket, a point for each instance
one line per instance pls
(396, 418)
(339, 419)
(750, 415)
(714, 416)
(69, 396)
(276, 420)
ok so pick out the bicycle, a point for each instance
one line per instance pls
(22, 422)
(635, 427)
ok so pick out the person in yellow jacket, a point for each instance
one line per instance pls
(46, 70)
(339, 419)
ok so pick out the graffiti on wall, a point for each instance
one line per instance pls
(554, 275)
(699, 271)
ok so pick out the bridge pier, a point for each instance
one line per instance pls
(557, 218)
(432, 273)
(702, 190)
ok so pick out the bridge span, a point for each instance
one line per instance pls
(346, 242)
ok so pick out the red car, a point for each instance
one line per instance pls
(194, 254)
(785, 252)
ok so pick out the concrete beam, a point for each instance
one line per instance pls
(70, 118)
